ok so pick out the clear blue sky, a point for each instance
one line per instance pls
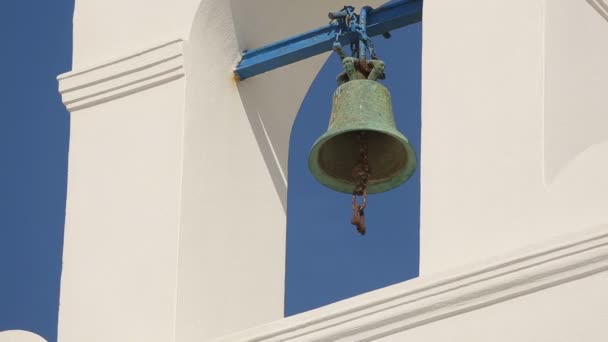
(326, 259)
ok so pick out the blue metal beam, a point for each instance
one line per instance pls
(379, 21)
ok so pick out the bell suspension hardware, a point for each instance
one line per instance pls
(362, 151)
(379, 21)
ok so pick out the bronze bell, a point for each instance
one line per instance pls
(362, 118)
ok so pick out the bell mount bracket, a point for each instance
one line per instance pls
(379, 21)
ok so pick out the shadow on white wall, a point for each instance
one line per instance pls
(575, 115)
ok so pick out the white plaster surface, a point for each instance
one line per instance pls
(575, 311)
(576, 114)
(105, 30)
(19, 336)
(513, 126)
(232, 248)
(122, 219)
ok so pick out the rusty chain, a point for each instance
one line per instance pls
(360, 173)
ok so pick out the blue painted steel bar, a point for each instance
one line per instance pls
(379, 21)
(363, 23)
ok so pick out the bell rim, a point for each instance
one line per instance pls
(341, 186)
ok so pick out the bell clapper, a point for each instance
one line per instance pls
(360, 174)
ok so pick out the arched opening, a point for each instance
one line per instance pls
(327, 260)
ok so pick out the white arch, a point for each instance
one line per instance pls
(20, 336)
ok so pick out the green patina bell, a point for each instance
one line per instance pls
(362, 120)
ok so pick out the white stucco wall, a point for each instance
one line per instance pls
(573, 311)
(513, 126)
(232, 250)
(122, 217)
(105, 30)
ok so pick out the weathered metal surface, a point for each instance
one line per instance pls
(362, 105)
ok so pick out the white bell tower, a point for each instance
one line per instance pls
(175, 223)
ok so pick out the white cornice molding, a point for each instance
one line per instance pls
(601, 6)
(145, 69)
(424, 300)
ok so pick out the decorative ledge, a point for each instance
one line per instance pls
(601, 6)
(122, 77)
(421, 301)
